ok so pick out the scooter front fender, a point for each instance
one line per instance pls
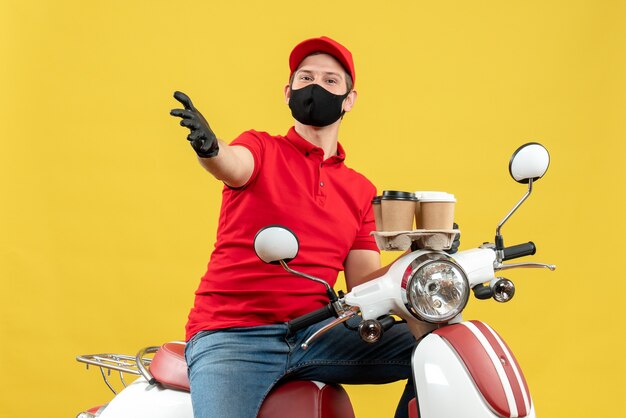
(141, 400)
(466, 370)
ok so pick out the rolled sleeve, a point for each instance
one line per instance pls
(364, 240)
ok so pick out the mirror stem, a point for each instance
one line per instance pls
(329, 290)
(499, 240)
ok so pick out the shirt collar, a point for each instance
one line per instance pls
(307, 148)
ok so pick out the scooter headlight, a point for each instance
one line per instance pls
(436, 287)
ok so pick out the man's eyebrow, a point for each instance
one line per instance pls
(325, 72)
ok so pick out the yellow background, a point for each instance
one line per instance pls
(107, 221)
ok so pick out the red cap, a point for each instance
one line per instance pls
(325, 45)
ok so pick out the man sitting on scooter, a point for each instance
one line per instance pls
(238, 344)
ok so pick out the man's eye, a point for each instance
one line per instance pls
(331, 81)
(305, 78)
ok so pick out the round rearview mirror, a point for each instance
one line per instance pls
(275, 243)
(530, 161)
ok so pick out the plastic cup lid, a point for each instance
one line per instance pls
(398, 195)
(435, 197)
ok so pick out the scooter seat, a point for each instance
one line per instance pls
(169, 366)
(310, 399)
(413, 412)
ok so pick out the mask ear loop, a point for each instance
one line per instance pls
(343, 112)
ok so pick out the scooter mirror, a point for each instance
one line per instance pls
(275, 243)
(530, 161)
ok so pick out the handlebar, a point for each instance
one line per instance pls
(311, 318)
(519, 250)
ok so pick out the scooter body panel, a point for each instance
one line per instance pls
(386, 294)
(141, 400)
(459, 374)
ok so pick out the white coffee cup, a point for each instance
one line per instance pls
(435, 210)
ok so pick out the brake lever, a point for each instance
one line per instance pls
(500, 266)
(343, 317)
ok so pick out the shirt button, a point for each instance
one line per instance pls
(321, 184)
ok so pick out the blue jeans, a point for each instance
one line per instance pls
(232, 370)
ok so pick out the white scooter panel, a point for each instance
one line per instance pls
(142, 400)
(467, 370)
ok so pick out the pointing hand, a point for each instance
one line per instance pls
(201, 137)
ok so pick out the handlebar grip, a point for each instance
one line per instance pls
(310, 318)
(519, 250)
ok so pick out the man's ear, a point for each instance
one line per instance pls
(349, 101)
(287, 93)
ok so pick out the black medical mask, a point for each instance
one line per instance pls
(315, 106)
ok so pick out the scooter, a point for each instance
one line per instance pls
(460, 368)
